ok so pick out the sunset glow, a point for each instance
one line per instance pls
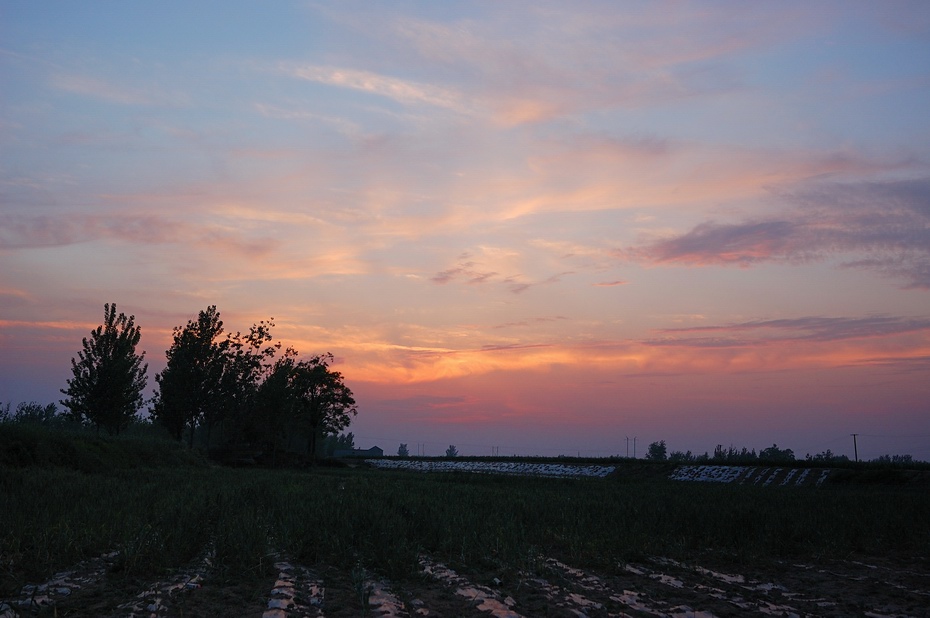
(540, 227)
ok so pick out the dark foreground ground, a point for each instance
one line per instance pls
(181, 538)
(654, 587)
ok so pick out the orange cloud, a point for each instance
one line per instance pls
(397, 364)
(48, 325)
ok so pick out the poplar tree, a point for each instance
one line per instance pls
(109, 376)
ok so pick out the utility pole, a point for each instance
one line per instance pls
(628, 447)
(855, 447)
(634, 447)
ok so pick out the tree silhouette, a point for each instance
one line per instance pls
(657, 451)
(240, 383)
(341, 442)
(828, 456)
(403, 451)
(323, 403)
(34, 413)
(247, 363)
(109, 375)
(191, 385)
(679, 457)
(304, 397)
(273, 417)
(775, 454)
(452, 451)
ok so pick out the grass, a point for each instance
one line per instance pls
(160, 517)
(24, 445)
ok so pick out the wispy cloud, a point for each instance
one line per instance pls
(45, 324)
(610, 284)
(14, 296)
(343, 125)
(464, 272)
(104, 90)
(813, 328)
(406, 92)
(882, 226)
(518, 68)
(468, 273)
(518, 287)
(742, 244)
(32, 231)
(522, 323)
(524, 80)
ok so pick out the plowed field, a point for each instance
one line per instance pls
(656, 587)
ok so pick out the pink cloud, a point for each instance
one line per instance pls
(609, 284)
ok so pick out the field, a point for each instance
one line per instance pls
(180, 539)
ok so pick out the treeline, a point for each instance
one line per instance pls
(658, 451)
(223, 388)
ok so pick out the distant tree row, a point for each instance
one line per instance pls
(341, 442)
(32, 413)
(658, 452)
(243, 386)
(403, 451)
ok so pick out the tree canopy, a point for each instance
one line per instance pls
(256, 392)
(657, 451)
(322, 402)
(190, 386)
(108, 375)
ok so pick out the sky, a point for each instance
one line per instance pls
(520, 227)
